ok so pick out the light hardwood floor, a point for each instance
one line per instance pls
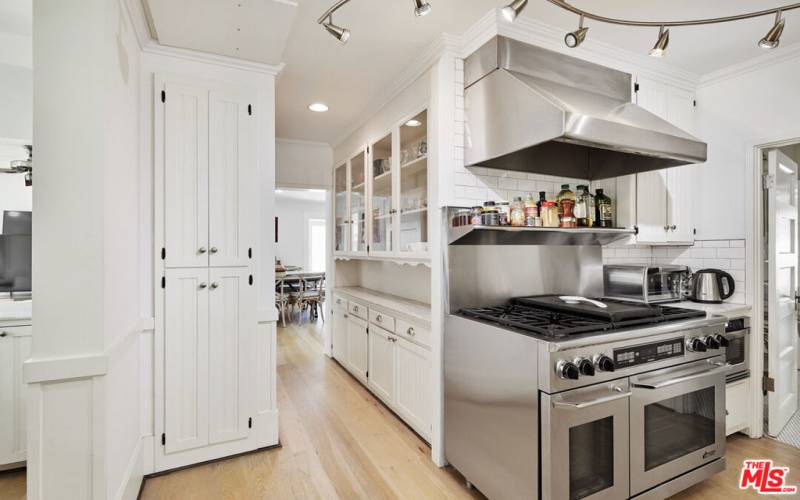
(339, 442)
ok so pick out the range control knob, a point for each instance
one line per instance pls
(567, 370)
(712, 342)
(696, 345)
(604, 363)
(585, 366)
(723, 342)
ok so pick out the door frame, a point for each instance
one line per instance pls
(754, 231)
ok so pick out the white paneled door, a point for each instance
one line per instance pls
(782, 258)
(231, 171)
(185, 152)
(231, 343)
(651, 206)
(357, 347)
(186, 351)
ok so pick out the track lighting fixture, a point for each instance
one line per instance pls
(773, 36)
(512, 10)
(341, 34)
(576, 37)
(661, 44)
(421, 8)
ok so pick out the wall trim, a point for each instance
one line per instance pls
(302, 142)
(762, 62)
(154, 48)
(132, 478)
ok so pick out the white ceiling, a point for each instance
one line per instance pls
(16, 17)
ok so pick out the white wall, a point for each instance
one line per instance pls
(293, 216)
(16, 102)
(300, 164)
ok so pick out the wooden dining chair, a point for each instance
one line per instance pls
(313, 295)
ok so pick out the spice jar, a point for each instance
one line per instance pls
(531, 211)
(549, 214)
(461, 218)
(476, 216)
(504, 210)
(490, 216)
(517, 212)
(568, 216)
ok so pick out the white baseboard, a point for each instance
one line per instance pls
(132, 479)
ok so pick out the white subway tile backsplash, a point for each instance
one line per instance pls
(717, 263)
(507, 183)
(478, 170)
(716, 243)
(737, 243)
(487, 180)
(731, 253)
(527, 185)
(738, 264)
(703, 253)
(463, 179)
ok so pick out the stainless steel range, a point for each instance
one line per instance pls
(578, 401)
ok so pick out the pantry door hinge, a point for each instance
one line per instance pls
(250, 109)
(163, 439)
(636, 87)
(250, 280)
(768, 181)
(163, 96)
(163, 282)
(163, 253)
(250, 423)
(768, 384)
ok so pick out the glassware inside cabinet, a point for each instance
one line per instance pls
(414, 185)
(342, 212)
(358, 204)
(382, 209)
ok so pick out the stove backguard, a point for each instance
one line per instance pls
(484, 275)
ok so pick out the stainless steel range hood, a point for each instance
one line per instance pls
(535, 110)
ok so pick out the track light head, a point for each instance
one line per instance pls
(341, 34)
(773, 37)
(512, 10)
(421, 8)
(575, 38)
(660, 47)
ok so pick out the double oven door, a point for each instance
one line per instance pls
(618, 439)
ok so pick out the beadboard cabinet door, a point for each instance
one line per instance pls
(231, 189)
(231, 339)
(651, 207)
(185, 150)
(413, 375)
(15, 348)
(339, 333)
(357, 347)
(186, 359)
(381, 363)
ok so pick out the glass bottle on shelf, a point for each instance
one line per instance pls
(581, 215)
(517, 212)
(564, 194)
(604, 212)
(413, 235)
(542, 199)
(531, 211)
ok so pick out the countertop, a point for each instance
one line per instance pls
(725, 309)
(15, 312)
(419, 311)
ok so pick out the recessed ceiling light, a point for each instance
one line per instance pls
(318, 107)
(413, 123)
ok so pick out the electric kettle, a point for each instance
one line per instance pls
(711, 286)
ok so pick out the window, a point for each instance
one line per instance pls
(316, 245)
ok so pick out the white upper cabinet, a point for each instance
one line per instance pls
(341, 210)
(382, 199)
(358, 203)
(231, 172)
(209, 168)
(665, 198)
(185, 146)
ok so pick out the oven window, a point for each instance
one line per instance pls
(678, 426)
(734, 353)
(591, 458)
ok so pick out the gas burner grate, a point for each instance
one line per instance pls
(536, 320)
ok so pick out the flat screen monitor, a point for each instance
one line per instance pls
(15, 263)
(16, 222)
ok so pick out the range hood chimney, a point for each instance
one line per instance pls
(535, 110)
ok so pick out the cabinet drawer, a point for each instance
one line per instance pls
(736, 405)
(340, 302)
(381, 319)
(414, 333)
(358, 310)
(15, 331)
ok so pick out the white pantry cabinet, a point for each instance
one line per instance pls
(206, 212)
(665, 198)
(209, 172)
(339, 332)
(15, 348)
(413, 380)
(382, 363)
(357, 359)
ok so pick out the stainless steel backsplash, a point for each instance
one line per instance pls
(491, 274)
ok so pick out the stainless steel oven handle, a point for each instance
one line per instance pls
(593, 402)
(721, 368)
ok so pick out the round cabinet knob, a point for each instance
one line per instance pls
(585, 367)
(379, 318)
(604, 363)
(674, 227)
(201, 250)
(3, 334)
(215, 285)
(723, 342)
(355, 309)
(411, 332)
(213, 250)
(203, 285)
(567, 370)
(696, 345)
(712, 343)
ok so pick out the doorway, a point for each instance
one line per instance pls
(780, 246)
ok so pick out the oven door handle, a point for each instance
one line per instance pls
(593, 402)
(721, 368)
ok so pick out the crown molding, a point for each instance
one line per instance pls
(204, 57)
(139, 17)
(762, 62)
(302, 142)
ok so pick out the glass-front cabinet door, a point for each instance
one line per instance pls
(585, 434)
(413, 203)
(358, 204)
(341, 210)
(382, 196)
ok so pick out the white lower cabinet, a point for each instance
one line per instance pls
(394, 365)
(737, 398)
(357, 359)
(208, 363)
(15, 348)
